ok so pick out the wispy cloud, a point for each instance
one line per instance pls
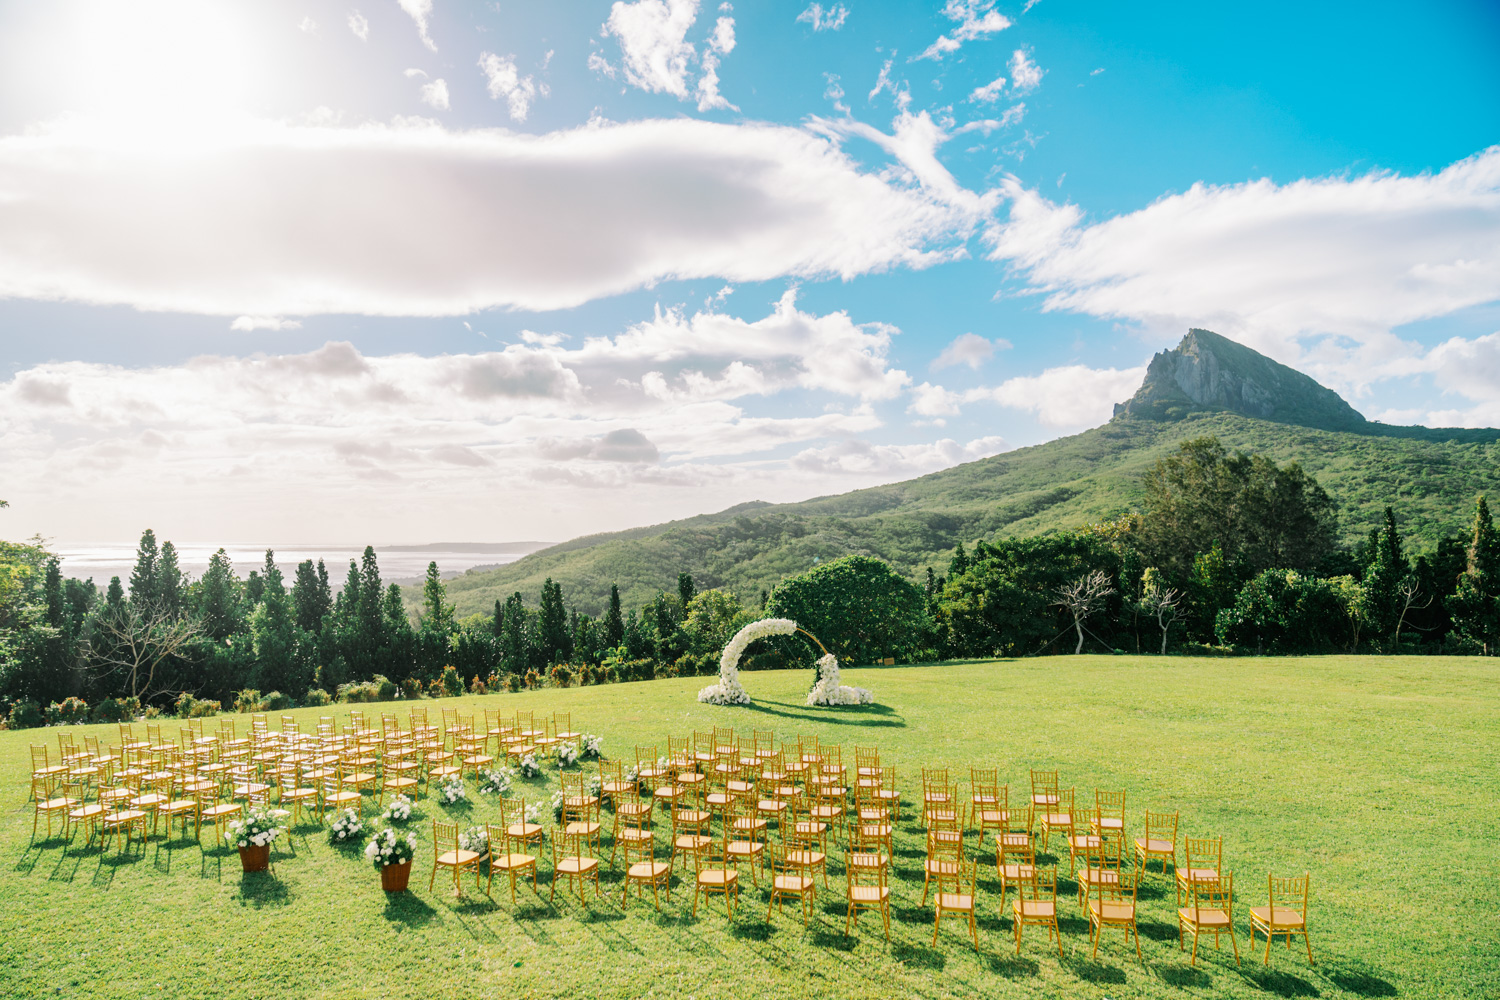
(976, 19)
(503, 80)
(819, 19)
(420, 11)
(359, 25)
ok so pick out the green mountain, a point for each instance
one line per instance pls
(1206, 385)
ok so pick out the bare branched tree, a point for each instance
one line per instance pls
(1164, 606)
(137, 643)
(1409, 592)
(1082, 598)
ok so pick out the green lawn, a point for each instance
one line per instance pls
(1376, 774)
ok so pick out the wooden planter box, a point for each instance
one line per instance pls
(255, 859)
(393, 878)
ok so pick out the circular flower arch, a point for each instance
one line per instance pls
(828, 690)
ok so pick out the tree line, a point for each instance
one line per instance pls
(1228, 552)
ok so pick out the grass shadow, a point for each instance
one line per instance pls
(918, 956)
(1013, 966)
(409, 909)
(262, 889)
(858, 715)
(1156, 931)
(834, 941)
(1283, 984)
(1183, 975)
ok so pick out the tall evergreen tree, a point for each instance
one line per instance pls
(311, 599)
(614, 621)
(114, 598)
(145, 576)
(437, 612)
(552, 623)
(1475, 606)
(371, 592)
(685, 590)
(171, 583)
(959, 564)
(219, 599)
(497, 623)
(514, 646)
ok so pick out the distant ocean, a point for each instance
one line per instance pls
(398, 563)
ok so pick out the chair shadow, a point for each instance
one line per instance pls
(1175, 974)
(1013, 966)
(1156, 931)
(1283, 984)
(918, 956)
(262, 889)
(833, 940)
(408, 908)
(1091, 970)
(755, 930)
(1361, 983)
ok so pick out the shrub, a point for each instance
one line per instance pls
(189, 707)
(611, 675)
(377, 688)
(275, 701)
(477, 686)
(586, 676)
(151, 712)
(385, 689)
(452, 684)
(317, 698)
(493, 681)
(247, 700)
(667, 670)
(68, 712)
(637, 670)
(562, 676)
(411, 688)
(26, 715)
(513, 682)
(533, 680)
(117, 709)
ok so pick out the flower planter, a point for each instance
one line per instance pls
(393, 878)
(255, 859)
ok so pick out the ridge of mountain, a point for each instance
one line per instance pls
(1206, 385)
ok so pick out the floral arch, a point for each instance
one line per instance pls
(828, 690)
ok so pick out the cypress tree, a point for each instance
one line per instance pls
(1475, 606)
(143, 578)
(171, 584)
(614, 621)
(959, 564)
(685, 590)
(219, 598)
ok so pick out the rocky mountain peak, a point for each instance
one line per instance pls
(1207, 372)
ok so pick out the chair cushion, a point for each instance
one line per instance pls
(1205, 918)
(1282, 918)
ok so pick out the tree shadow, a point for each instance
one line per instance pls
(1362, 983)
(262, 889)
(1283, 984)
(409, 909)
(918, 956)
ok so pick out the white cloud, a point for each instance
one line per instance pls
(895, 461)
(679, 412)
(413, 73)
(989, 93)
(882, 82)
(245, 324)
(308, 26)
(1468, 368)
(967, 349)
(976, 20)
(835, 92)
(601, 65)
(503, 80)
(420, 220)
(435, 94)
(653, 41)
(722, 40)
(1026, 74)
(420, 11)
(1275, 265)
(709, 98)
(1029, 4)
(1072, 396)
(831, 19)
(359, 25)
(931, 400)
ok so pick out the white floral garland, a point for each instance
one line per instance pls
(729, 691)
(828, 690)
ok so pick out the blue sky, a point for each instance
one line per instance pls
(394, 271)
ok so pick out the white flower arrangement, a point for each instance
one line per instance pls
(633, 775)
(495, 780)
(530, 767)
(828, 690)
(476, 839)
(399, 811)
(591, 746)
(348, 826)
(258, 829)
(729, 691)
(557, 804)
(567, 754)
(594, 785)
(388, 848)
(452, 791)
(534, 813)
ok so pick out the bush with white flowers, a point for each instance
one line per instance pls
(567, 754)
(495, 780)
(346, 827)
(452, 791)
(399, 811)
(475, 838)
(591, 747)
(530, 767)
(594, 785)
(534, 813)
(729, 691)
(258, 829)
(828, 690)
(557, 804)
(388, 848)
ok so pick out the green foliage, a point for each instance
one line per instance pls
(317, 698)
(1475, 606)
(857, 607)
(376, 689)
(117, 709)
(1281, 611)
(26, 715)
(451, 684)
(189, 707)
(68, 712)
(247, 700)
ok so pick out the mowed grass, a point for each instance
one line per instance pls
(1378, 775)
